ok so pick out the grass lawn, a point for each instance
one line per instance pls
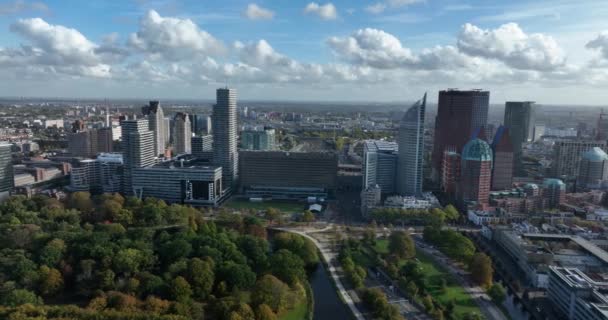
(287, 207)
(433, 276)
(297, 313)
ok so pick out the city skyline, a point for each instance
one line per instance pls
(329, 51)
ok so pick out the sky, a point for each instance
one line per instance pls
(548, 51)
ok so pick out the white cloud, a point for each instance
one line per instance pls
(326, 12)
(173, 38)
(380, 7)
(376, 8)
(255, 12)
(19, 6)
(600, 43)
(511, 45)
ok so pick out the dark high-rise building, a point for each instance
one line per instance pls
(7, 178)
(411, 150)
(450, 172)
(502, 169)
(519, 118)
(460, 115)
(224, 123)
(476, 172)
(138, 149)
(156, 123)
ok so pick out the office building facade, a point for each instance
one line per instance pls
(577, 296)
(567, 155)
(138, 149)
(182, 134)
(519, 119)
(593, 170)
(7, 179)
(502, 151)
(475, 172)
(224, 121)
(288, 175)
(259, 139)
(181, 183)
(380, 160)
(201, 145)
(156, 122)
(411, 150)
(459, 115)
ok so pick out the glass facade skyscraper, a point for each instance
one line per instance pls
(411, 150)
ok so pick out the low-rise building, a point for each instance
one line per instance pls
(578, 295)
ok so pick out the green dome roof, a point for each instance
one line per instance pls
(595, 155)
(550, 182)
(477, 150)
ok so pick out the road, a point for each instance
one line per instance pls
(489, 309)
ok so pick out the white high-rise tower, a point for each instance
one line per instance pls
(156, 120)
(411, 150)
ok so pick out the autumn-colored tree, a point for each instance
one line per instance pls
(481, 270)
(264, 312)
(51, 280)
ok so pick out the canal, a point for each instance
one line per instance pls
(328, 305)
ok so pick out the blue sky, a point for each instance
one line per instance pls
(387, 50)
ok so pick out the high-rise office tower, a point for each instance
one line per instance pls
(411, 150)
(519, 118)
(7, 178)
(475, 172)
(380, 165)
(502, 169)
(182, 134)
(601, 131)
(567, 155)
(593, 170)
(224, 123)
(459, 115)
(138, 149)
(156, 123)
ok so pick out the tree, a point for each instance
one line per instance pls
(201, 276)
(52, 252)
(237, 276)
(427, 302)
(481, 270)
(264, 312)
(497, 293)
(451, 213)
(18, 297)
(272, 292)
(308, 216)
(287, 266)
(180, 289)
(51, 281)
(81, 201)
(272, 214)
(401, 245)
(128, 260)
(298, 245)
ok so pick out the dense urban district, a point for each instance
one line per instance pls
(123, 209)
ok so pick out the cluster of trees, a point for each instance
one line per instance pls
(354, 273)
(451, 243)
(133, 259)
(435, 216)
(378, 303)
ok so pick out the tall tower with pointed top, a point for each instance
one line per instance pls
(156, 120)
(411, 150)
